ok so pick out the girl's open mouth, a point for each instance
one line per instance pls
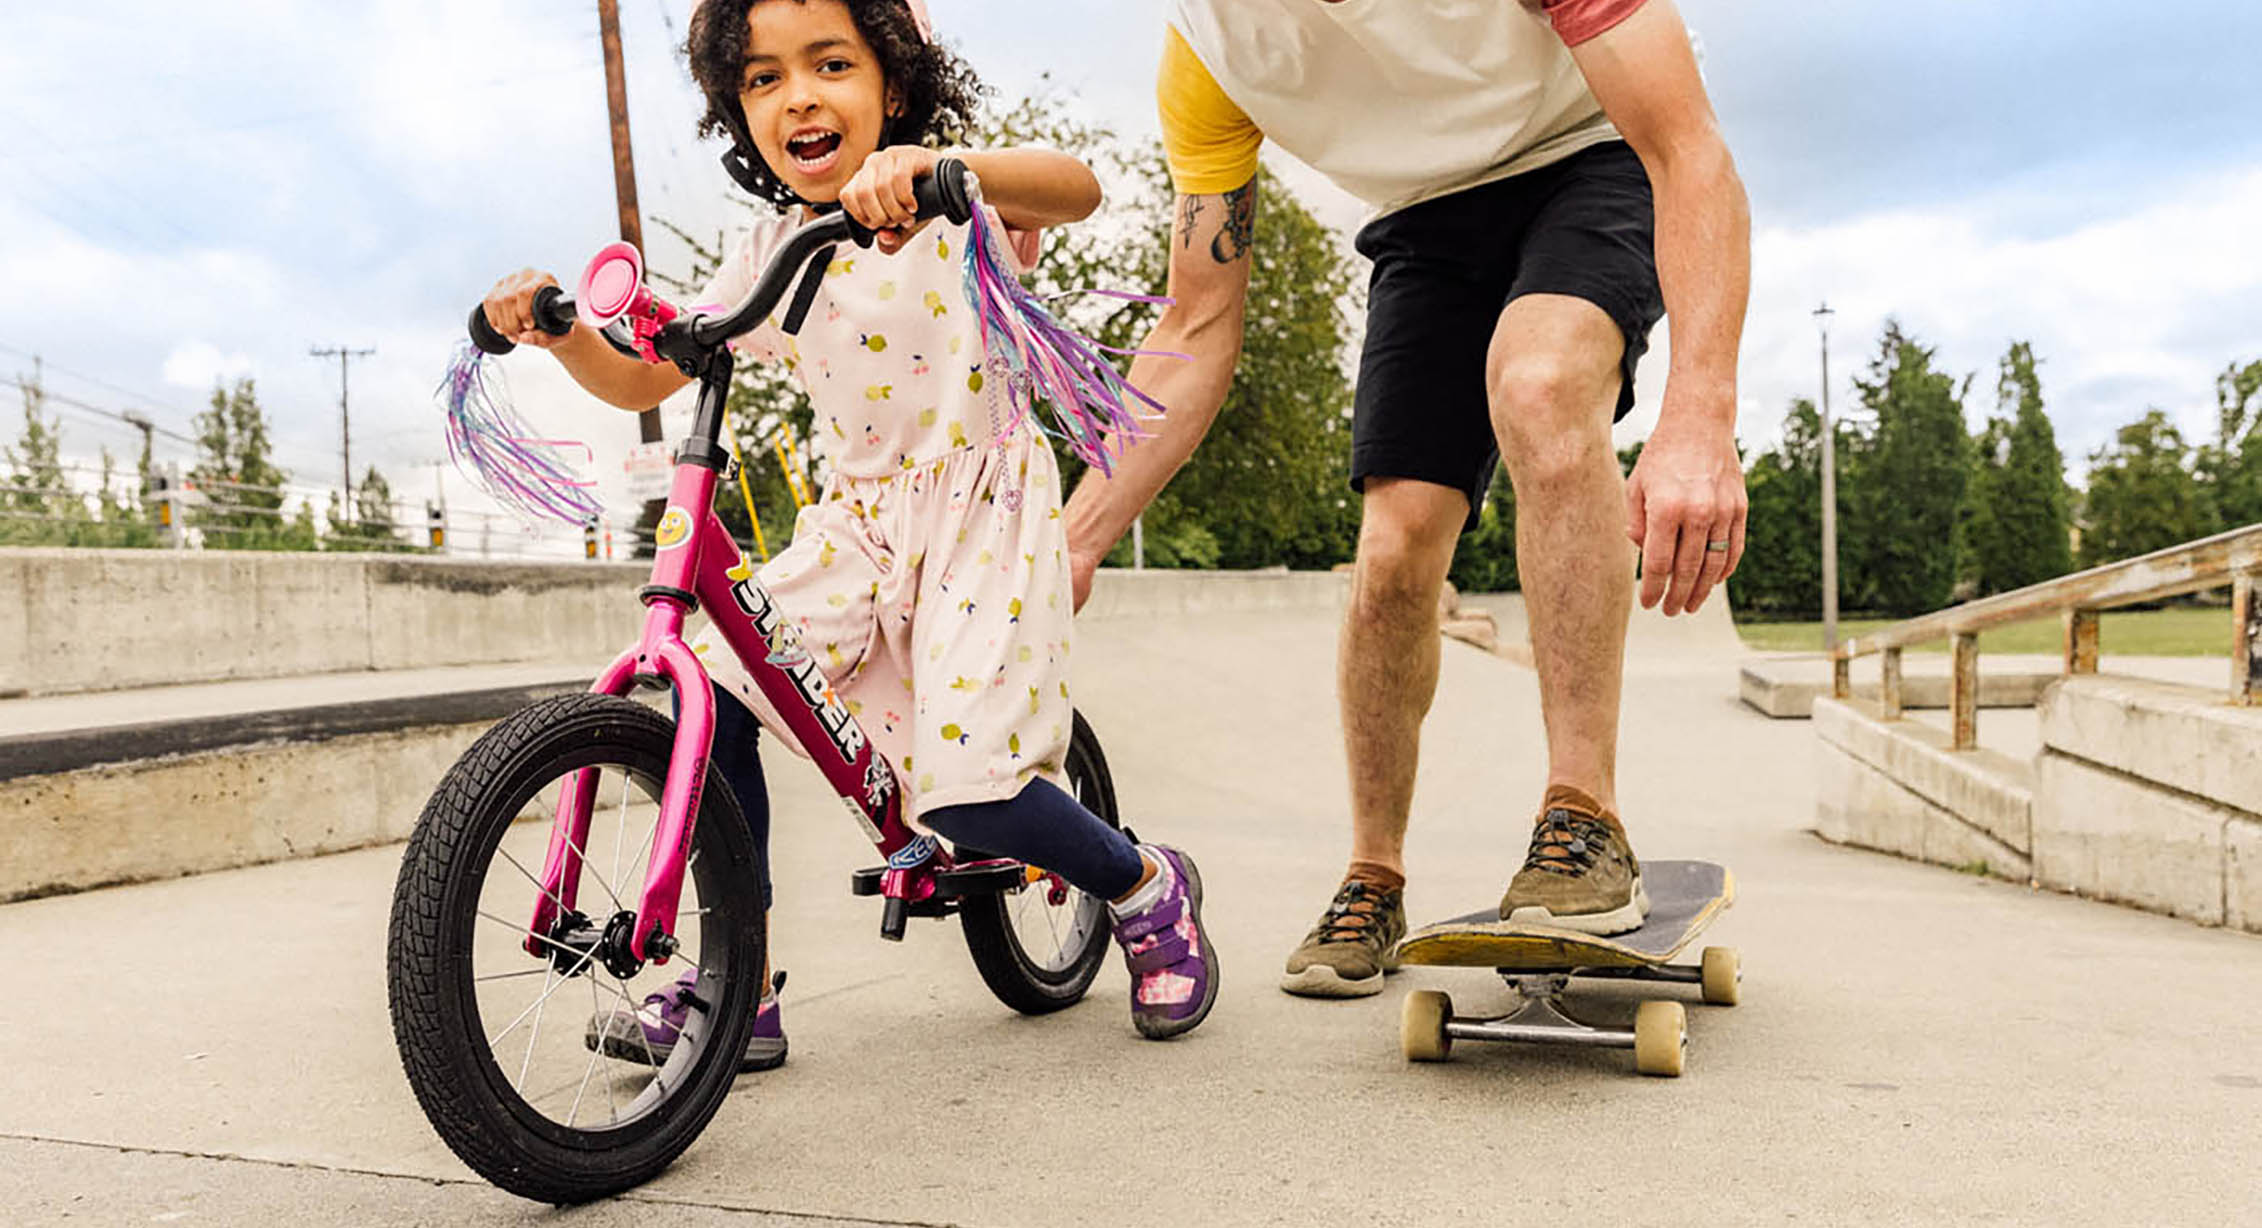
(813, 151)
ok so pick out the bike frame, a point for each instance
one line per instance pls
(697, 565)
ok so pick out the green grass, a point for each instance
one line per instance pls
(2179, 631)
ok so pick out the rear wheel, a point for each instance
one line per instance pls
(1039, 947)
(501, 1044)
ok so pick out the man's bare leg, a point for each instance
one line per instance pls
(1386, 661)
(1552, 374)
(1553, 377)
(1386, 675)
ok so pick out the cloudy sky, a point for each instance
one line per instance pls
(193, 192)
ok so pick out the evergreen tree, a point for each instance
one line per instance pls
(35, 510)
(237, 475)
(2018, 529)
(2143, 495)
(1911, 478)
(1781, 571)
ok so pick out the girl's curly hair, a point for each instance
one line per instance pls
(938, 92)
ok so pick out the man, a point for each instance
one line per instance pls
(1511, 152)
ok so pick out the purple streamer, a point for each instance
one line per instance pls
(1042, 359)
(492, 445)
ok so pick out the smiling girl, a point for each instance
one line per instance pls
(929, 579)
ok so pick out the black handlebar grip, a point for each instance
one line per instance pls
(484, 335)
(553, 314)
(944, 193)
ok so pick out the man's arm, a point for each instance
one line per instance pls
(1209, 288)
(1688, 488)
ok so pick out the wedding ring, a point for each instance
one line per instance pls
(1718, 547)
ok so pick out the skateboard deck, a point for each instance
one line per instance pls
(1684, 897)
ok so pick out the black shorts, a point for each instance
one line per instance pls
(1445, 268)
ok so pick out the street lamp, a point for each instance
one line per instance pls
(1822, 316)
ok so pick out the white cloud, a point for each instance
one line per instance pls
(198, 365)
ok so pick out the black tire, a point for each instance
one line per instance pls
(436, 1012)
(1022, 980)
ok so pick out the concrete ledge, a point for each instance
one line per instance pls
(1787, 688)
(1982, 790)
(1861, 806)
(2182, 737)
(1120, 593)
(2242, 874)
(187, 814)
(2106, 834)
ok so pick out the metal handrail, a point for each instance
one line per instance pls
(2233, 558)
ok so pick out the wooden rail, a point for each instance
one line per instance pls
(2233, 558)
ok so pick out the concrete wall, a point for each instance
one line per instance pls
(2144, 793)
(92, 620)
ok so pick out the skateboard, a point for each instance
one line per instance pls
(1539, 962)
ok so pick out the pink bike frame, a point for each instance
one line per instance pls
(703, 567)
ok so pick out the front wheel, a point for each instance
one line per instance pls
(1039, 947)
(513, 1053)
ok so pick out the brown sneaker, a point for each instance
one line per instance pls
(1347, 953)
(1579, 876)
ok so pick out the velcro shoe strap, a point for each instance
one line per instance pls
(1155, 939)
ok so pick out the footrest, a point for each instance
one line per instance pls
(977, 878)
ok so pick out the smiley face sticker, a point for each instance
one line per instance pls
(675, 525)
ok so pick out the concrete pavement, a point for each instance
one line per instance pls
(1914, 1046)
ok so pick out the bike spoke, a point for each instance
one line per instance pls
(597, 1051)
(519, 1085)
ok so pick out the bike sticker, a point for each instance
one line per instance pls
(913, 855)
(674, 527)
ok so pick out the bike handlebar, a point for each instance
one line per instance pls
(947, 193)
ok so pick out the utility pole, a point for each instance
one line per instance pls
(345, 422)
(624, 162)
(1822, 316)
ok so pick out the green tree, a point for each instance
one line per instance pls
(371, 526)
(2018, 530)
(36, 508)
(2143, 495)
(1484, 561)
(1781, 571)
(241, 484)
(2231, 466)
(1907, 481)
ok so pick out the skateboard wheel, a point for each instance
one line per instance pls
(1723, 974)
(1660, 1033)
(1421, 1028)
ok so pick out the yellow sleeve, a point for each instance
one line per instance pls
(1210, 143)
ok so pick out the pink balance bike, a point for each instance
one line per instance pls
(581, 847)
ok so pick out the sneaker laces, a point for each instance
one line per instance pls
(1354, 915)
(1566, 842)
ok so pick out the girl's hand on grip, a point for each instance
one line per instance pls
(510, 308)
(880, 195)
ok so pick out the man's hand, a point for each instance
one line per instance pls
(880, 194)
(1081, 568)
(1685, 506)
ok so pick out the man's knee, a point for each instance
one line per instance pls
(1406, 539)
(1551, 412)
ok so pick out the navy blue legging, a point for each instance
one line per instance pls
(1042, 825)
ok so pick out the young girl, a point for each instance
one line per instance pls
(930, 578)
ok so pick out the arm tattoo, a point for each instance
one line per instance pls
(1232, 242)
(1189, 213)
